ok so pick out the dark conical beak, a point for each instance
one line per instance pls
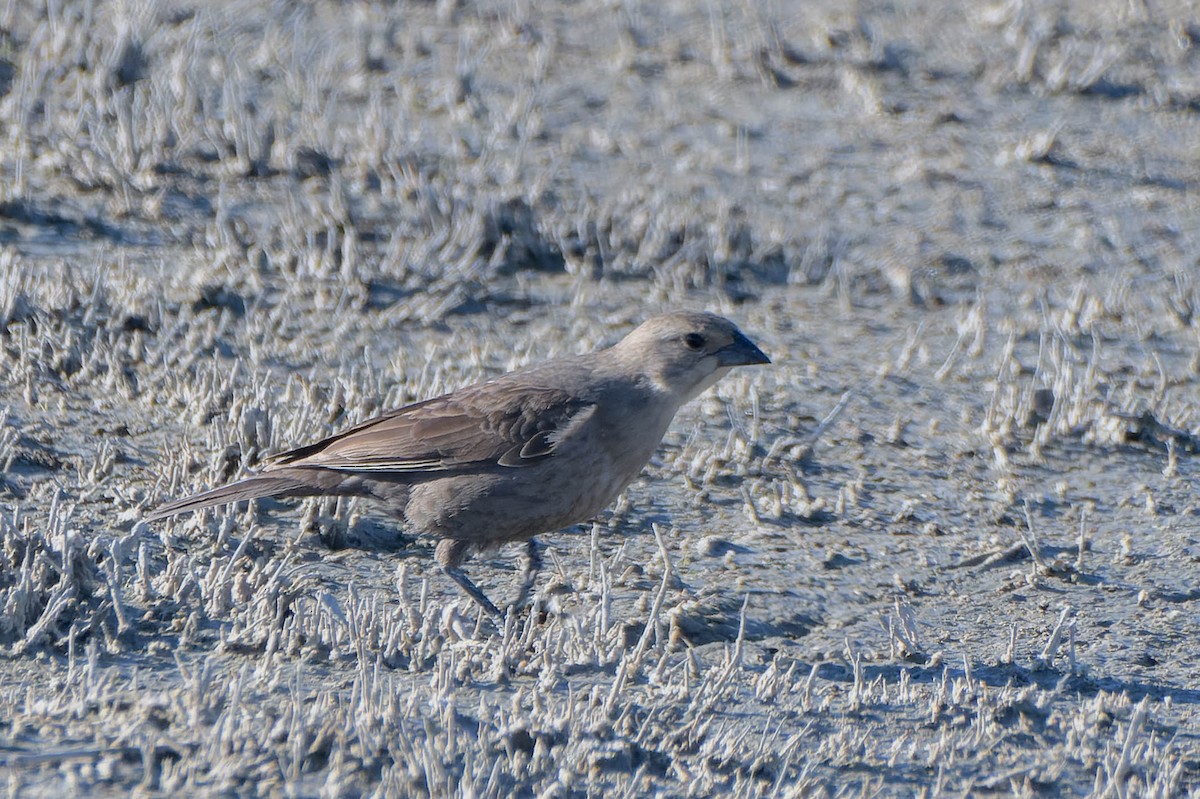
(741, 352)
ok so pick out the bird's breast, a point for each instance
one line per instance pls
(588, 470)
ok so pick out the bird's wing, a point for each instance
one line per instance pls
(499, 423)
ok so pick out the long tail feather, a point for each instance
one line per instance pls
(285, 483)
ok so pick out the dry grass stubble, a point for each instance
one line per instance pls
(945, 546)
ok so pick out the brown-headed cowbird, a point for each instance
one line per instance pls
(528, 452)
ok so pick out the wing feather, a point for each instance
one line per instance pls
(505, 422)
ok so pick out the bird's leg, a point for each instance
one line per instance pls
(533, 564)
(459, 576)
(449, 554)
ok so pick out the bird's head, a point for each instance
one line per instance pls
(685, 352)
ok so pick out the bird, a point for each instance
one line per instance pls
(532, 451)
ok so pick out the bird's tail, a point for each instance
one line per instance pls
(281, 483)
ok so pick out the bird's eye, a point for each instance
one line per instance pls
(694, 341)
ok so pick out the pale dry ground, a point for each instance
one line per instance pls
(947, 545)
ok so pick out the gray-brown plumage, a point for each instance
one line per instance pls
(528, 452)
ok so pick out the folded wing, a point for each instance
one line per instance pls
(499, 423)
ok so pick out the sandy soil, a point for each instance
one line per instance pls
(945, 546)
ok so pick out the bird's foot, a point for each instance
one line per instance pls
(533, 564)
